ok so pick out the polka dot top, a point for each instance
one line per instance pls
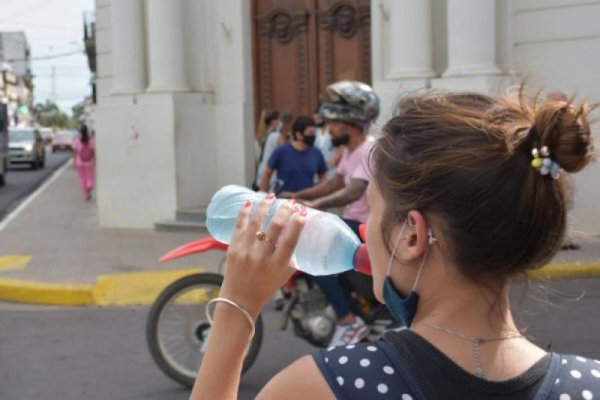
(405, 366)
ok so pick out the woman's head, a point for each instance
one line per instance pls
(83, 131)
(464, 162)
(268, 122)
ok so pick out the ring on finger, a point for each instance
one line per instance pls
(262, 237)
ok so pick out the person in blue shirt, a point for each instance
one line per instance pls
(298, 162)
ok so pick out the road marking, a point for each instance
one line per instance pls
(136, 288)
(15, 213)
(14, 262)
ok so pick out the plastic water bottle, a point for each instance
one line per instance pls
(326, 245)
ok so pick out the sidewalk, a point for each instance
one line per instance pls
(53, 252)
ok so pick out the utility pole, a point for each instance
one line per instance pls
(53, 94)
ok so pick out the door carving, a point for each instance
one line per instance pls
(301, 46)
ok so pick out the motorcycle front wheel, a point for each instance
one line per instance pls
(177, 330)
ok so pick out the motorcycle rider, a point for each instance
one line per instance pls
(350, 110)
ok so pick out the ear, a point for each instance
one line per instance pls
(416, 234)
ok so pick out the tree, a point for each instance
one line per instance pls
(49, 114)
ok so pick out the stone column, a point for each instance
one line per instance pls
(166, 46)
(471, 30)
(129, 75)
(410, 40)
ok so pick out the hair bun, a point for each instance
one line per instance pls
(565, 129)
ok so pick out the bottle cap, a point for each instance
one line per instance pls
(362, 263)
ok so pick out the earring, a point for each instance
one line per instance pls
(431, 239)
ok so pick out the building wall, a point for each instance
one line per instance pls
(164, 148)
(14, 47)
(555, 46)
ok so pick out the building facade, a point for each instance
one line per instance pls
(181, 82)
(16, 80)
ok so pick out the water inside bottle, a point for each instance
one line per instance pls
(326, 245)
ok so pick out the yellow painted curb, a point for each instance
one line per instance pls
(137, 288)
(20, 291)
(14, 262)
(142, 288)
(574, 270)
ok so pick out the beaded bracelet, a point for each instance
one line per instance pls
(234, 304)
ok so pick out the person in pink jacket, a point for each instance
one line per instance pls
(84, 159)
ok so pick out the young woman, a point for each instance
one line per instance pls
(84, 159)
(467, 193)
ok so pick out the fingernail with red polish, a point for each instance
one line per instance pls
(303, 213)
(271, 196)
(247, 204)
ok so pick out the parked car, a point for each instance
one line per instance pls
(47, 135)
(63, 140)
(26, 146)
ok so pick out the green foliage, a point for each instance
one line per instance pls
(48, 114)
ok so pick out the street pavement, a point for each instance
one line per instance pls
(95, 353)
(55, 244)
(54, 252)
(22, 180)
(65, 353)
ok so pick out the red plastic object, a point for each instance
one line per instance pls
(198, 246)
(362, 263)
(362, 229)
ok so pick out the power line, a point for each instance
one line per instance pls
(46, 57)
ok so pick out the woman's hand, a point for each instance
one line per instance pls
(257, 268)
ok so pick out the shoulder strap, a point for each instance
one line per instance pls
(366, 371)
(548, 384)
(406, 383)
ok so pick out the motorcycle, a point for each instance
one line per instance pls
(177, 330)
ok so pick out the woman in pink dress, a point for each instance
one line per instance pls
(84, 158)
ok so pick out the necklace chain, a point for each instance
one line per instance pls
(475, 342)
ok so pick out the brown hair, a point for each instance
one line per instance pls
(464, 159)
(266, 117)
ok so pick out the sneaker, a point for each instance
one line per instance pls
(278, 300)
(349, 333)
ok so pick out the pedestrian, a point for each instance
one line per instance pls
(331, 154)
(268, 122)
(297, 163)
(269, 141)
(467, 193)
(351, 108)
(84, 159)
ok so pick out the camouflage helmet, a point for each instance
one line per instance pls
(352, 102)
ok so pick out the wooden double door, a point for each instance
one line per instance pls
(301, 46)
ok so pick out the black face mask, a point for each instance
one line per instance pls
(309, 140)
(338, 141)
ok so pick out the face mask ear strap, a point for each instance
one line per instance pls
(394, 249)
(431, 240)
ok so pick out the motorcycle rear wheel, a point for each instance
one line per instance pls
(177, 329)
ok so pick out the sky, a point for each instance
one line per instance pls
(53, 27)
